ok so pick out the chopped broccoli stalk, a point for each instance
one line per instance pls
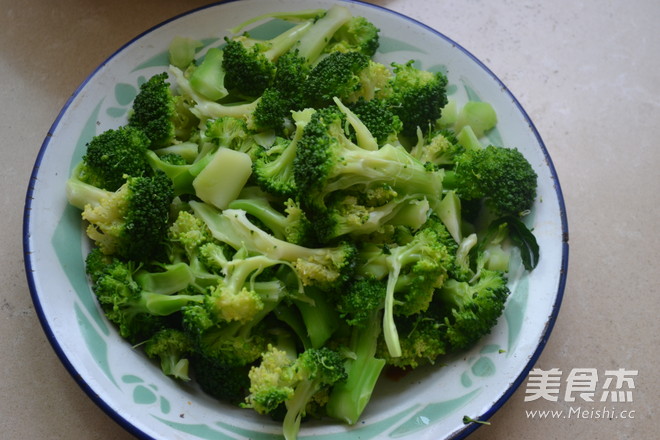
(312, 44)
(172, 347)
(182, 50)
(288, 223)
(318, 315)
(208, 79)
(223, 178)
(479, 115)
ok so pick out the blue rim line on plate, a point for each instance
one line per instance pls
(27, 251)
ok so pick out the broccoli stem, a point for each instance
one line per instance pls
(296, 408)
(311, 45)
(305, 14)
(233, 227)
(348, 399)
(174, 278)
(80, 194)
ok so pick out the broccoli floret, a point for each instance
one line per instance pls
(163, 116)
(417, 97)
(358, 34)
(172, 347)
(274, 168)
(472, 307)
(249, 64)
(131, 222)
(351, 214)
(424, 341)
(344, 75)
(413, 271)
(379, 119)
(112, 155)
(327, 161)
(437, 148)
(360, 300)
(138, 313)
(501, 176)
(324, 266)
(301, 383)
(232, 133)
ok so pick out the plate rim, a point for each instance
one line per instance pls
(133, 429)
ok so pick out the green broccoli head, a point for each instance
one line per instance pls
(138, 314)
(501, 176)
(172, 347)
(358, 34)
(379, 118)
(161, 115)
(423, 343)
(132, 222)
(113, 155)
(417, 97)
(472, 308)
(299, 383)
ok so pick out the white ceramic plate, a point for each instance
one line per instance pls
(428, 404)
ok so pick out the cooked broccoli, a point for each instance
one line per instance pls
(172, 347)
(358, 34)
(130, 222)
(439, 148)
(503, 177)
(249, 64)
(299, 383)
(417, 97)
(289, 216)
(327, 161)
(286, 222)
(163, 116)
(274, 168)
(208, 79)
(112, 155)
(324, 266)
(474, 307)
(349, 398)
(379, 118)
(348, 76)
(232, 133)
(413, 271)
(138, 313)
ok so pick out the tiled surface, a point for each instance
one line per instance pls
(587, 74)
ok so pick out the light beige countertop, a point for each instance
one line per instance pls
(588, 74)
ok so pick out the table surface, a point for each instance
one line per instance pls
(587, 74)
